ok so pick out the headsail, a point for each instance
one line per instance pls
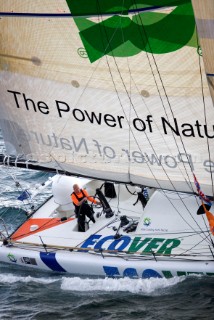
(108, 95)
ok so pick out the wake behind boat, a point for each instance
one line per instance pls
(120, 96)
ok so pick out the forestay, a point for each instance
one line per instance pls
(117, 92)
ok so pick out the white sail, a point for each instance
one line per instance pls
(134, 112)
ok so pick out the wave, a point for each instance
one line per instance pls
(146, 286)
(10, 278)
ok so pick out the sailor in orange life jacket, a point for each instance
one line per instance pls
(82, 208)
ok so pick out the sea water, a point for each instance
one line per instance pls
(29, 294)
(26, 294)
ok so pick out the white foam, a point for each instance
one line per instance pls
(10, 278)
(145, 286)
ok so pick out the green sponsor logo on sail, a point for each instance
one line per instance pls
(118, 34)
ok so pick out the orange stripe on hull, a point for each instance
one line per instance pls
(43, 224)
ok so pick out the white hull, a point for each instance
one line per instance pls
(158, 247)
(77, 263)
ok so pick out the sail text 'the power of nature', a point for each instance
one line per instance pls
(146, 124)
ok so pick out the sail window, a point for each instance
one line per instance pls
(75, 84)
(145, 93)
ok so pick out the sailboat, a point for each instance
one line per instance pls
(117, 98)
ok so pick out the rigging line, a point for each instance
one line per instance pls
(190, 185)
(81, 95)
(186, 197)
(146, 137)
(4, 212)
(192, 247)
(205, 116)
(118, 198)
(103, 227)
(109, 46)
(132, 193)
(165, 113)
(58, 164)
(144, 132)
(132, 132)
(170, 199)
(22, 190)
(15, 218)
(200, 228)
(126, 116)
(42, 226)
(190, 234)
(162, 136)
(165, 109)
(130, 107)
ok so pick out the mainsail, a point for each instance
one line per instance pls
(109, 90)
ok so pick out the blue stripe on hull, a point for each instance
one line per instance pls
(50, 260)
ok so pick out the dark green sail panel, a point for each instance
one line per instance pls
(148, 31)
(97, 7)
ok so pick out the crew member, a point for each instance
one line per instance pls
(82, 208)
